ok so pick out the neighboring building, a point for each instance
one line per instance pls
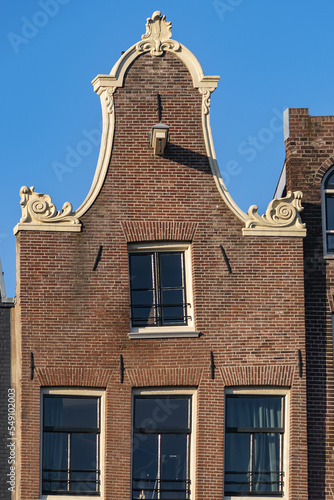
(309, 167)
(160, 330)
(5, 388)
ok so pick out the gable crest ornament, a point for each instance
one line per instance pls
(157, 36)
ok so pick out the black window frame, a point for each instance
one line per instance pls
(70, 431)
(173, 486)
(251, 431)
(157, 306)
(327, 192)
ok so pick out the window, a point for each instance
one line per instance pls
(162, 428)
(254, 445)
(160, 290)
(327, 193)
(71, 444)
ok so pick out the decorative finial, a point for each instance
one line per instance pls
(157, 36)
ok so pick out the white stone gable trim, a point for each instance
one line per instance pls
(157, 40)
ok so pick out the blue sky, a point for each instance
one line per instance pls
(270, 55)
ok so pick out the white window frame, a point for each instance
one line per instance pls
(174, 391)
(144, 332)
(256, 391)
(65, 391)
(325, 232)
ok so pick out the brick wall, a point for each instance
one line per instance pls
(309, 153)
(76, 320)
(5, 384)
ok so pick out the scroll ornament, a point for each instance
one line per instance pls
(284, 212)
(157, 36)
(108, 93)
(38, 207)
(206, 93)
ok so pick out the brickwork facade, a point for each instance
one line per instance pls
(72, 312)
(5, 385)
(309, 155)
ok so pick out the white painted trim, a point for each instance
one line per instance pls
(66, 391)
(163, 333)
(174, 391)
(268, 391)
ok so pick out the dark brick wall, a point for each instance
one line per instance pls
(309, 153)
(76, 320)
(5, 384)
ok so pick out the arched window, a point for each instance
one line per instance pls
(327, 201)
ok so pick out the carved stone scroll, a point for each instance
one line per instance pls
(38, 207)
(281, 213)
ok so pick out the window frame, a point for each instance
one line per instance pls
(263, 392)
(324, 195)
(166, 331)
(69, 392)
(172, 391)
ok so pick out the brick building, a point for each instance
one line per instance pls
(6, 305)
(160, 340)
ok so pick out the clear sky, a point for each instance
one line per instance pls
(270, 54)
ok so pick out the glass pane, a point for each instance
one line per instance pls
(55, 461)
(84, 481)
(145, 466)
(266, 462)
(141, 266)
(254, 411)
(172, 297)
(329, 212)
(70, 412)
(173, 307)
(238, 462)
(142, 316)
(329, 184)
(174, 456)
(83, 451)
(164, 412)
(142, 298)
(175, 490)
(171, 269)
(330, 242)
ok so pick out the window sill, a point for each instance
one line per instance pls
(71, 497)
(259, 497)
(163, 332)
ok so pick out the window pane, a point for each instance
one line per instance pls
(254, 412)
(142, 316)
(142, 298)
(83, 451)
(141, 266)
(70, 412)
(163, 412)
(266, 462)
(329, 212)
(329, 184)
(174, 456)
(238, 462)
(173, 310)
(55, 452)
(145, 465)
(171, 269)
(330, 242)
